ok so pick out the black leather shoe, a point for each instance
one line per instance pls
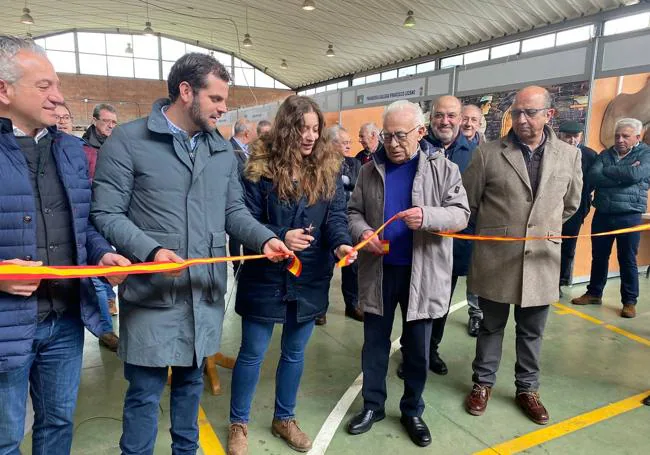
(437, 365)
(473, 325)
(417, 430)
(363, 421)
(646, 401)
(400, 370)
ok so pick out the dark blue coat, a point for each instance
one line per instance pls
(460, 152)
(265, 287)
(621, 187)
(18, 315)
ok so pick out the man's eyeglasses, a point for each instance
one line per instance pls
(399, 135)
(63, 118)
(529, 113)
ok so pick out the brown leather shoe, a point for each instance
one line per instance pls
(292, 434)
(476, 402)
(238, 439)
(628, 311)
(530, 403)
(354, 313)
(110, 341)
(587, 299)
(321, 320)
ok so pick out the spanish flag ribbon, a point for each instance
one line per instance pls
(21, 272)
(345, 261)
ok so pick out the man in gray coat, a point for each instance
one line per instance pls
(426, 192)
(167, 188)
(524, 185)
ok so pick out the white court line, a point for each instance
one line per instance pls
(327, 431)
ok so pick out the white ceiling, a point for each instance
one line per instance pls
(365, 34)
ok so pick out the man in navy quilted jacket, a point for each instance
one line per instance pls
(44, 207)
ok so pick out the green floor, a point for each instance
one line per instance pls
(584, 367)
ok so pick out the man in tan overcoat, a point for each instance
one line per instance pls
(524, 185)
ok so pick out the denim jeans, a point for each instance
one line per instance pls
(627, 246)
(141, 404)
(52, 374)
(255, 341)
(102, 289)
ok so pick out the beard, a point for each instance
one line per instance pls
(447, 135)
(195, 116)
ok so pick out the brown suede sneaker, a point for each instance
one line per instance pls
(628, 311)
(292, 434)
(587, 299)
(238, 439)
(476, 402)
(530, 403)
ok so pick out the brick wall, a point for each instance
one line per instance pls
(133, 97)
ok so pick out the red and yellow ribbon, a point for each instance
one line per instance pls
(345, 261)
(21, 272)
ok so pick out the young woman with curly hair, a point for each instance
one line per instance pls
(292, 184)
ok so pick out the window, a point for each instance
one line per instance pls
(342, 84)
(145, 47)
(92, 64)
(146, 69)
(63, 62)
(120, 66)
(574, 35)
(477, 56)
(280, 85)
(311, 92)
(172, 50)
(627, 24)
(320, 89)
(166, 67)
(63, 42)
(92, 43)
(244, 76)
(117, 45)
(505, 50)
(407, 71)
(263, 80)
(331, 87)
(301, 93)
(537, 43)
(373, 78)
(358, 81)
(387, 75)
(428, 66)
(450, 62)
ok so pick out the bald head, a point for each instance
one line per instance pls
(531, 111)
(445, 119)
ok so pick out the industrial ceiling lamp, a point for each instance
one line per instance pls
(148, 31)
(129, 49)
(330, 51)
(309, 5)
(284, 65)
(409, 22)
(248, 42)
(26, 18)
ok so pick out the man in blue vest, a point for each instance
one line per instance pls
(45, 195)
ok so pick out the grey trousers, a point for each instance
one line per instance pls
(529, 331)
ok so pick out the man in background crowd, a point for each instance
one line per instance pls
(369, 138)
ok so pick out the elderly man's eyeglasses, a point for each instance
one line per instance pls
(63, 118)
(529, 113)
(399, 135)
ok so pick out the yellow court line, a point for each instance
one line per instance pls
(565, 427)
(208, 439)
(567, 310)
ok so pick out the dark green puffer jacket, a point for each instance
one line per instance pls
(620, 186)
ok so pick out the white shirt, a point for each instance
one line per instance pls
(40, 135)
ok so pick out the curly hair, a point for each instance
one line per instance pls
(277, 156)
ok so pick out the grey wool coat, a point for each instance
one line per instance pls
(438, 190)
(522, 273)
(147, 193)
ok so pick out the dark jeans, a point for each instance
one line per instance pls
(627, 246)
(376, 346)
(529, 330)
(104, 294)
(350, 286)
(141, 407)
(52, 374)
(246, 374)
(571, 228)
